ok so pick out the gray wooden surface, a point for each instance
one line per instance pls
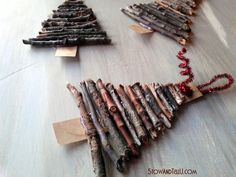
(33, 93)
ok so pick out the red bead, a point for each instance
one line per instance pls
(184, 50)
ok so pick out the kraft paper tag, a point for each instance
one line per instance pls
(69, 131)
(66, 51)
(196, 94)
(139, 29)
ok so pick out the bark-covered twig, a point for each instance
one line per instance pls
(142, 113)
(74, 19)
(175, 94)
(116, 140)
(69, 42)
(114, 111)
(73, 32)
(102, 135)
(160, 102)
(72, 14)
(162, 96)
(156, 108)
(170, 98)
(90, 130)
(132, 114)
(68, 24)
(123, 112)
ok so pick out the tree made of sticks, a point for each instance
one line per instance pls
(72, 24)
(120, 119)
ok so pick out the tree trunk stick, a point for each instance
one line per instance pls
(90, 130)
(102, 135)
(115, 138)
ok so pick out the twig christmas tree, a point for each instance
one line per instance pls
(165, 16)
(72, 24)
(132, 114)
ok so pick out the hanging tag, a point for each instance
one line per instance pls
(196, 93)
(139, 29)
(69, 131)
(66, 51)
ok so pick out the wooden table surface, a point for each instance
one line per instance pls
(33, 93)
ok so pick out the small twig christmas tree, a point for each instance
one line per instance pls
(72, 24)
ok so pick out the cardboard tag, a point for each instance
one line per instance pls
(139, 29)
(66, 51)
(69, 131)
(196, 93)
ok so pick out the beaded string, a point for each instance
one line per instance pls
(187, 71)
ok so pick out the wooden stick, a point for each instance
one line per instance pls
(69, 42)
(160, 102)
(175, 94)
(114, 111)
(72, 14)
(163, 97)
(63, 24)
(102, 135)
(80, 31)
(156, 108)
(90, 130)
(170, 98)
(74, 19)
(141, 112)
(123, 112)
(75, 32)
(115, 138)
(132, 114)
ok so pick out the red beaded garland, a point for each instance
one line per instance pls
(217, 88)
(186, 90)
